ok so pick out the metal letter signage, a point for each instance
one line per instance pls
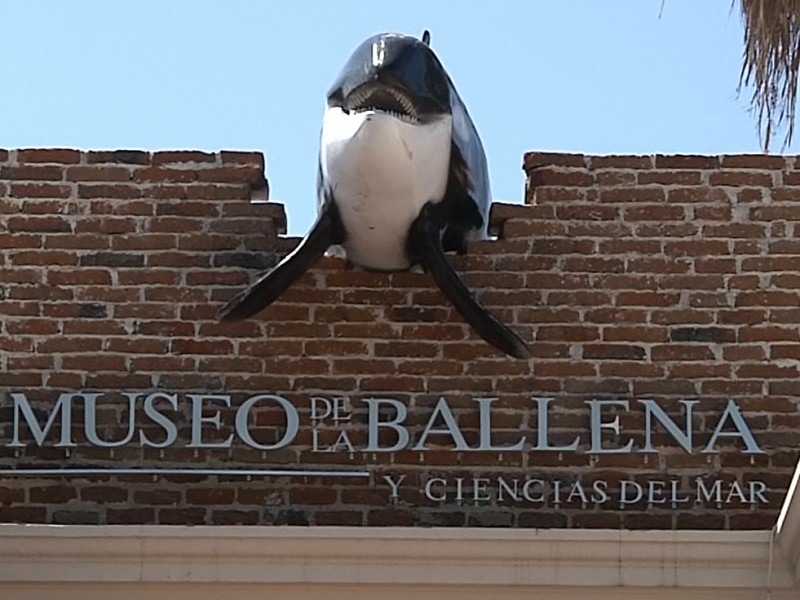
(293, 437)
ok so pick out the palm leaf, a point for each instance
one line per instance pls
(771, 63)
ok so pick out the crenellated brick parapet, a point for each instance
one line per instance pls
(670, 279)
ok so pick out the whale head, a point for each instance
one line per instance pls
(395, 74)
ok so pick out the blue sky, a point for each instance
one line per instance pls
(581, 76)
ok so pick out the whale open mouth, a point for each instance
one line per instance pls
(382, 98)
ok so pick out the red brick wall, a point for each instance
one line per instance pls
(666, 277)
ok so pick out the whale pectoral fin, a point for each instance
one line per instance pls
(425, 245)
(327, 231)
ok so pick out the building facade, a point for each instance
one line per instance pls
(648, 447)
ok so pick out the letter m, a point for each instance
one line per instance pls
(23, 407)
(707, 495)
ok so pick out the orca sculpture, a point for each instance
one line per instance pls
(402, 179)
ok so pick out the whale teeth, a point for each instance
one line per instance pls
(383, 99)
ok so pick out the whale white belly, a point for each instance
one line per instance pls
(381, 171)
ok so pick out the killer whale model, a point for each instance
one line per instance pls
(402, 179)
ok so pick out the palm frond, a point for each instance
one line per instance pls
(770, 63)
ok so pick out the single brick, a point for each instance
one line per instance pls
(39, 224)
(132, 157)
(49, 155)
(559, 177)
(112, 259)
(235, 157)
(753, 161)
(537, 159)
(95, 173)
(179, 157)
(686, 161)
(740, 178)
(717, 335)
(621, 162)
(32, 173)
(93, 311)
